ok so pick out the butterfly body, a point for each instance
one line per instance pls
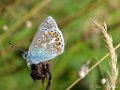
(47, 43)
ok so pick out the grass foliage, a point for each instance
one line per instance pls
(20, 19)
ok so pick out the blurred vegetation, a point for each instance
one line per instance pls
(20, 19)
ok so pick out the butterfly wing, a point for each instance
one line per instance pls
(47, 43)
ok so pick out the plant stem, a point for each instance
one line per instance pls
(94, 66)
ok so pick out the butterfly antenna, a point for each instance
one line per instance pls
(13, 46)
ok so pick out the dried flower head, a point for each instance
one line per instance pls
(5, 27)
(41, 71)
(84, 69)
(28, 24)
(103, 81)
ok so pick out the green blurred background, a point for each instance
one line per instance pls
(20, 19)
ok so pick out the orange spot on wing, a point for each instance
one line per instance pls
(57, 43)
(55, 34)
(57, 39)
(50, 33)
(58, 49)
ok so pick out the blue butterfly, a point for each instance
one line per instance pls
(47, 43)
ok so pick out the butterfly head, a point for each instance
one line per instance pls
(25, 55)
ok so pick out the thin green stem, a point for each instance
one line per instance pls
(94, 66)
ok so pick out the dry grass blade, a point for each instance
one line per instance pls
(113, 61)
(97, 63)
(94, 66)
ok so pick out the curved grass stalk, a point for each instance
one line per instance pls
(93, 67)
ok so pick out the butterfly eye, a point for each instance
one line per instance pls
(25, 55)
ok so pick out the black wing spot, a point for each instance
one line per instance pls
(36, 46)
(42, 29)
(44, 38)
(59, 42)
(45, 29)
(51, 43)
(38, 40)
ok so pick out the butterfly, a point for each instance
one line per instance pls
(47, 43)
